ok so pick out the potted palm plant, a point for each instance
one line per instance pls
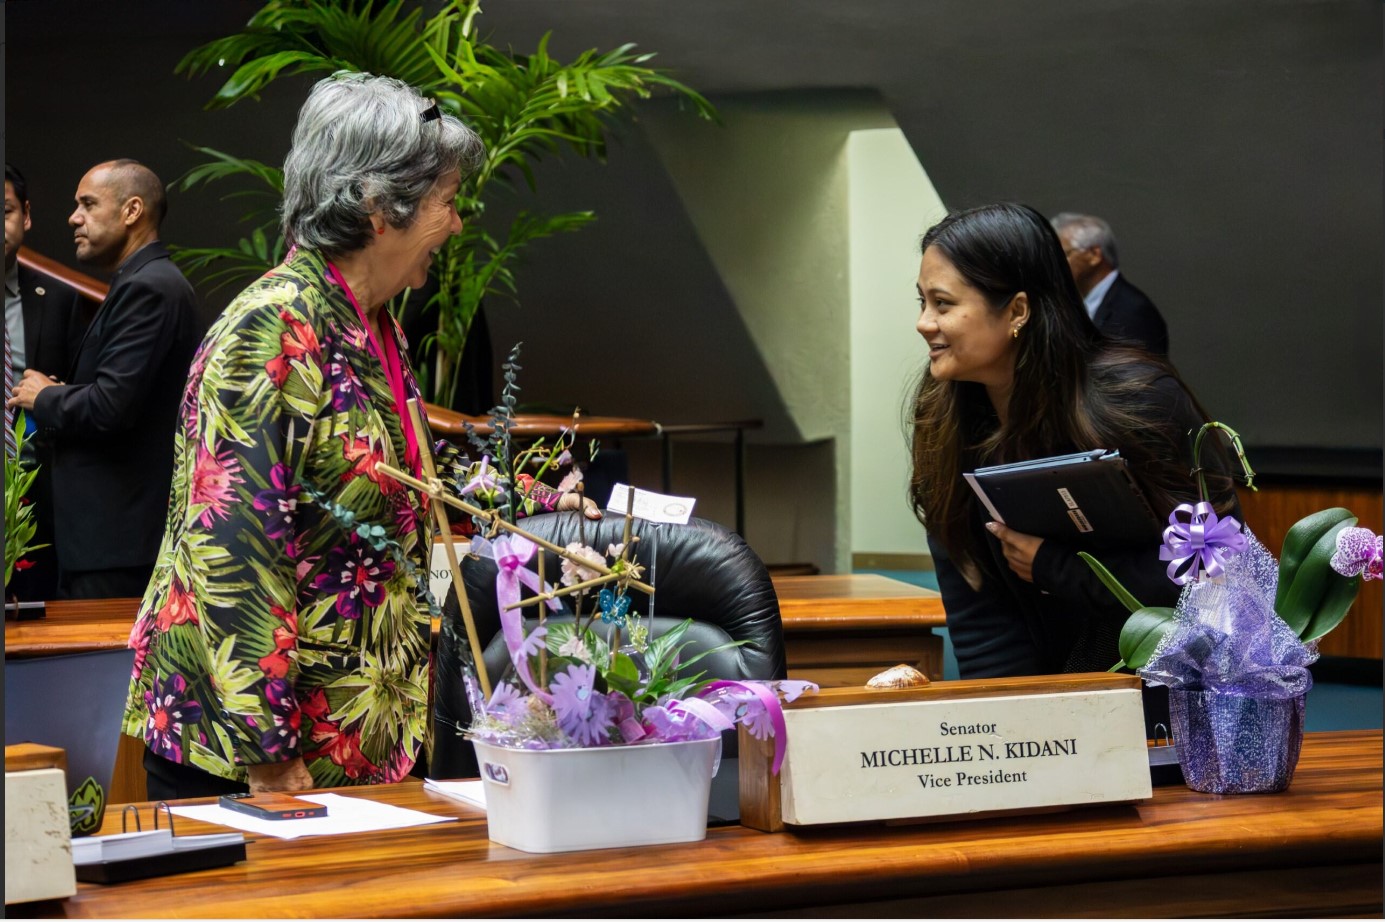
(524, 106)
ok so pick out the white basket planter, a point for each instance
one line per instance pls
(560, 800)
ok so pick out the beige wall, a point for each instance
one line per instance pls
(891, 203)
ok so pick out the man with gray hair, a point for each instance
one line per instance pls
(1118, 308)
(111, 415)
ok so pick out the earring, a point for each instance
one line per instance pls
(1015, 333)
(380, 231)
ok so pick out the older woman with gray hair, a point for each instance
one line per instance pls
(283, 643)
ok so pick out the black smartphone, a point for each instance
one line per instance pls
(273, 806)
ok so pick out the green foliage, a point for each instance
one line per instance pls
(20, 524)
(524, 107)
(1312, 597)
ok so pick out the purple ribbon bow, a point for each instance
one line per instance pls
(511, 553)
(1204, 543)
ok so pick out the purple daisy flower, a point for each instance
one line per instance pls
(169, 711)
(287, 717)
(503, 701)
(357, 574)
(584, 714)
(279, 503)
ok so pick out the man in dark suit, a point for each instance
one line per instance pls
(112, 421)
(1117, 307)
(44, 320)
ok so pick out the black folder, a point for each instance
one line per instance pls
(1087, 499)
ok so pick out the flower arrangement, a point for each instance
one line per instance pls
(574, 687)
(1241, 613)
(19, 511)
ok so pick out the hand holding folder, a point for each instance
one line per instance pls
(1088, 499)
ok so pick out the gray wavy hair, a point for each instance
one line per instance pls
(1089, 231)
(362, 146)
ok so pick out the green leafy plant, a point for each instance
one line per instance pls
(524, 107)
(1311, 595)
(20, 525)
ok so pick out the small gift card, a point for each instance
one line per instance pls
(653, 507)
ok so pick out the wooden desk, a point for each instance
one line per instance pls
(1313, 849)
(842, 629)
(77, 626)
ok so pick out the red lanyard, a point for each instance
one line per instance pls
(393, 367)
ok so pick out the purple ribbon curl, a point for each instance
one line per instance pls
(511, 553)
(1202, 544)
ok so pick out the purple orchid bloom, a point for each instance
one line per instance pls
(1359, 553)
(279, 503)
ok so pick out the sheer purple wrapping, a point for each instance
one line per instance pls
(1227, 639)
(1232, 744)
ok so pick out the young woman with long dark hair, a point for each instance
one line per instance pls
(1017, 371)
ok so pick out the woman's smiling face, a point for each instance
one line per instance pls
(968, 339)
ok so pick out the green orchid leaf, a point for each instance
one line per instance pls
(1299, 542)
(1336, 602)
(1301, 591)
(1110, 582)
(1141, 634)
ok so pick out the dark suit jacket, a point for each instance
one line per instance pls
(1127, 313)
(112, 423)
(55, 317)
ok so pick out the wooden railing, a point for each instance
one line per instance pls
(447, 423)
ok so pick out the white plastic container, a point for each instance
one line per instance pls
(561, 800)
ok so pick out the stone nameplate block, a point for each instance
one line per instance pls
(953, 749)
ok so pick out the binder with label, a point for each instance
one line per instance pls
(1087, 499)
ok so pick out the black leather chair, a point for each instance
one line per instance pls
(700, 571)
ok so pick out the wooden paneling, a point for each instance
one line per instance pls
(1316, 846)
(1271, 512)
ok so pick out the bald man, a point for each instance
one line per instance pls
(111, 418)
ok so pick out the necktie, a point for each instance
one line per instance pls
(9, 389)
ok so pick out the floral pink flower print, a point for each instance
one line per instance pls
(297, 341)
(279, 503)
(584, 714)
(169, 710)
(357, 573)
(179, 607)
(214, 479)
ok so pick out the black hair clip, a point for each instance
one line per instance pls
(430, 113)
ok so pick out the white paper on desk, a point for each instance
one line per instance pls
(472, 793)
(653, 507)
(344, 814)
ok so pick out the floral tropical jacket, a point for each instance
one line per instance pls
(273, 628)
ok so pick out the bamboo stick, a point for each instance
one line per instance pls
(437, 491)
(440, 514)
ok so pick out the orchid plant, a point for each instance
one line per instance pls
(1321, 565)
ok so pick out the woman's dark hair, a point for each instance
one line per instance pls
(1074, 389)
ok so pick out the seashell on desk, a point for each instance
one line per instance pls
(901, 676)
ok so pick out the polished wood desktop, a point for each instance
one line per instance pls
(841, 629)
(1315, 849)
